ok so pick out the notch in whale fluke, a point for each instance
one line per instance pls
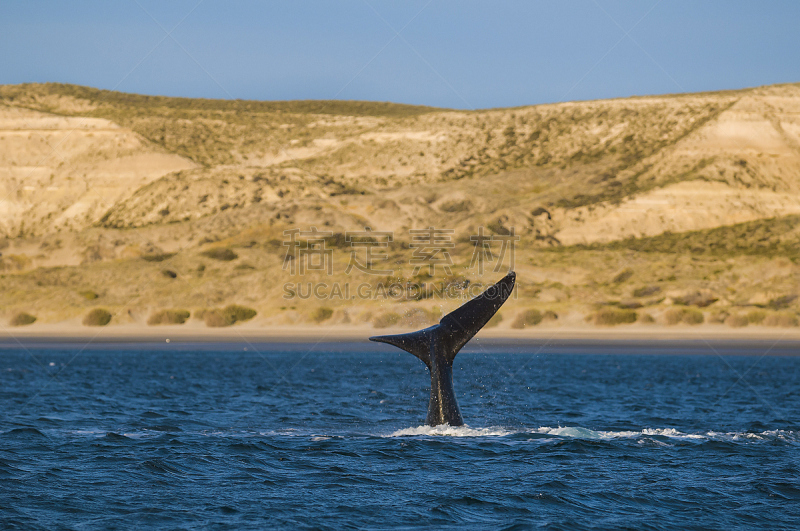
(438, 345)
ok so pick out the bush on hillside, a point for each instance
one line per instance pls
(646, 318)
(527, 319)
(221, 253)
(550, 315)
(321, 314)
(783, 319)
(227, 316)
(97, 317)
(22, 319)
(689, 316)
(157, 257)
(737, 321)
(168, 317)
(612, 316)
(495, 320)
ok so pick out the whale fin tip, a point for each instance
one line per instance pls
(416, 343)
(468, 319)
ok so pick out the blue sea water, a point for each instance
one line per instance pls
(329, 436)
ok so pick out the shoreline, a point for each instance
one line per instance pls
(47, 334)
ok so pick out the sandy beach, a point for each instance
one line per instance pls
(251, 333)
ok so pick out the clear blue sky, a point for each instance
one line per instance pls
(449, 53)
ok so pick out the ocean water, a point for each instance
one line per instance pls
(329, 436)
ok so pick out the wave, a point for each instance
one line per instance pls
(543, 433)
(577, 432)
(451, 431)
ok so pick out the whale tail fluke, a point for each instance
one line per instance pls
(417, 343)
(457, 327)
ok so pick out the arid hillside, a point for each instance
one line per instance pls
(650, 208)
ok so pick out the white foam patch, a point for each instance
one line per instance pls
(583, 433)
(446, 430)
(577, 432)
(672, 433)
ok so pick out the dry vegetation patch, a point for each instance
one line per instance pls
(495, 320)
(527, 319)
(22, 319)
(168, 317)
(613, 316)
(221, 253)
(783, 319)
(737, 321)
(320, 314)
(688, 316)
(97, 317)
(228, 316)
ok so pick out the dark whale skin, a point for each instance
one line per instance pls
(438, 345)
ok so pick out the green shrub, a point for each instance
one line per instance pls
(689, 316)
(97, 317)
(385, 320)
(693, 317)
(157, 257)
(673, 316)
(88, 294)
(646, 290)
(497, 227)
(237, 313)
(321, 314)
(701, 300)
(227, 316)
(718, 318)
(550, 315)
(783, 319)
(756, 316)
(495, 320)
(168, 317)
(781, 302)
(612, 316)
(623, 276)
(221, 253)
(646, 318)
(737, 321)
(22, 319)
(169, 273)
(527, 319)
(456, 206)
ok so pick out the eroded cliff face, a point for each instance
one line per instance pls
(62, 173)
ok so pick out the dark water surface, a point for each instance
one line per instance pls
(329, 436)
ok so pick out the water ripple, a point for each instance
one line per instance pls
(572, 442)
